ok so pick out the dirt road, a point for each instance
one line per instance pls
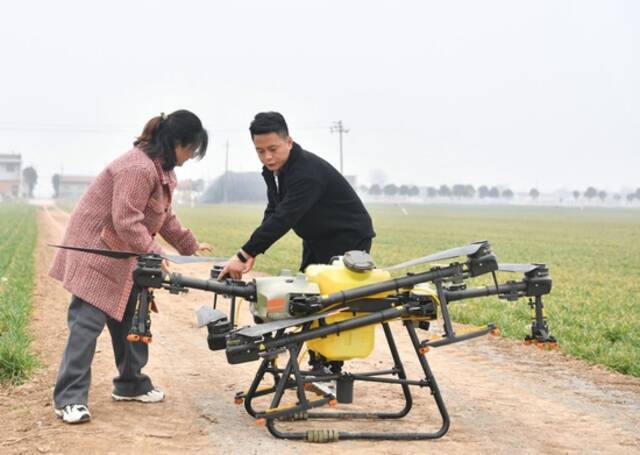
(502, 397)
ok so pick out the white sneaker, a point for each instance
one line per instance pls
(74, 413)
(152, 396)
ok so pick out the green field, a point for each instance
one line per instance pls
(593, 256)
(18, 232)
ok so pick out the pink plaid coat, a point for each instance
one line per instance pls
(123, 209)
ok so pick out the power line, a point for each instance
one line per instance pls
(113, 130)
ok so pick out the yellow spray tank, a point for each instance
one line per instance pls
(353, 270)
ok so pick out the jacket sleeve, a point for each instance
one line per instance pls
(180, 238)
(271, 206)
(302, 194)
(132, 188)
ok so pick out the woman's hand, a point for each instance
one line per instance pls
(202, 247)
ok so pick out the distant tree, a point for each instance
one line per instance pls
(414, 190)
(404, 190)
(617, 196)
(483, 191)
(55, 181)
(507, 194)
(534, 193)
(458, 190)
(631, 197)
(364, 189)
(444, 191)
(494, 192)
(390, 189)
(638, 193)
(469, 191)
(602, 194)
(431, 191)
(375, 190)
(590, 193)
(576, 194)
(30, 177)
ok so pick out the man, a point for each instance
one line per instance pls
(306, 194)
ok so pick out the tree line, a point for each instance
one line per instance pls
(457, 191)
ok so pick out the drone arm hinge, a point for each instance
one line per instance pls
(174, 284)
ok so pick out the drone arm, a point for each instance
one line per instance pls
(502, 289)
(227, 287)
(396, 284)
(532, 285)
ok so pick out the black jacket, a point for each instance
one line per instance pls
(314, 200)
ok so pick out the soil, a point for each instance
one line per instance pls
(502, 396)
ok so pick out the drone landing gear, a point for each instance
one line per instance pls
(292, 378)
(141, 322)
(539, 328)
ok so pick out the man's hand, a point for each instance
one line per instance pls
(202, 247)
(164, 266)
(235, 268)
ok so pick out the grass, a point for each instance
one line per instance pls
(18, 232)
(593, 256)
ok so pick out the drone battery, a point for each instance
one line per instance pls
(217, 334)
(344, 389)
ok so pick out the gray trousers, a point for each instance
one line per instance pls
(86, 323)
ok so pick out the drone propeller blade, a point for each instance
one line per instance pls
(446, 254)
(101, 252)
(193, 259)
(518, 268)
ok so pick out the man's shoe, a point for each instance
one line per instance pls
(74, 413)
(152, 396)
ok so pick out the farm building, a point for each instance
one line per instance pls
(73, 186)
(10, 176)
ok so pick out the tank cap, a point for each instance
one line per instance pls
(358, 261)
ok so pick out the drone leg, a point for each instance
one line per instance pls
(141, 321)
(444, 308)
(253, 391)
(266, 366)
(431, 380)
(539, 327)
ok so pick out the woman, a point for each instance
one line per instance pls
(127, 205)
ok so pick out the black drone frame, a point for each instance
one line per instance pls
(269, 340)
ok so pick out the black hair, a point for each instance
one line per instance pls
(269, 122)
(161, 134)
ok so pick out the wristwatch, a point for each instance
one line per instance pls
(241, 257)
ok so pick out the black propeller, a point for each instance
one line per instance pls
(177, 259)
(519, 268)
(466, 250)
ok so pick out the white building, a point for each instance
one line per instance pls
(10, 176)
(73, 186)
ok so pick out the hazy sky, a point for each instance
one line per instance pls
(517, 93)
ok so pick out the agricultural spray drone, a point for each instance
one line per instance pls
(331, 311)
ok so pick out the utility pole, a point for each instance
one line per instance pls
(337, 127)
